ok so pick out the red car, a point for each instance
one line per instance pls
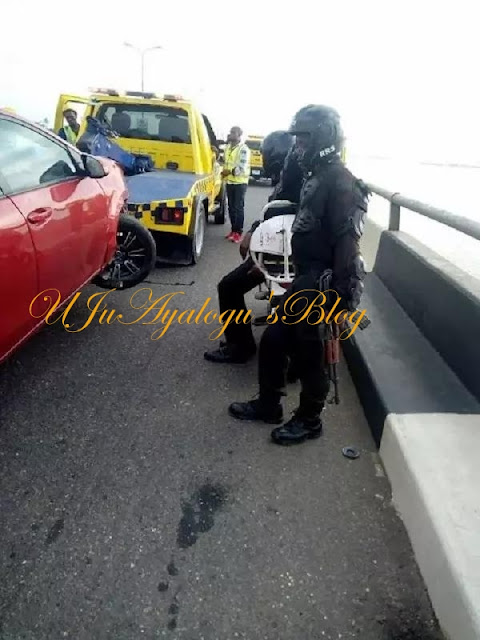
(61, 226)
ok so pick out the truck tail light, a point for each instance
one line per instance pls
(169, 215)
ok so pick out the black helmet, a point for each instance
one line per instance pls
(275, 148)
(323, 126)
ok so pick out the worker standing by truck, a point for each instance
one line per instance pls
(236, 173)
(69, 131)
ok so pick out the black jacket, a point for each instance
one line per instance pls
(328, 226)
(291, 178)
(289, 185)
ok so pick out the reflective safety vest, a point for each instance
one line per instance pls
(237, 159)
(70, 133)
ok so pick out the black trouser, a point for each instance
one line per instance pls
(301, 340)
(231, 291)
(236, 205)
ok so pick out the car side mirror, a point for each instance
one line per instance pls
(93, 167)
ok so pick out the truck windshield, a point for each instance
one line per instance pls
(147, 122)
(254, 145)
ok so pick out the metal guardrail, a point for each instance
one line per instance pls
(397, 201)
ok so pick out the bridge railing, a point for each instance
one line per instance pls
(397, 201)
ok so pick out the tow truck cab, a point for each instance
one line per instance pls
(175, 200)
(254, 143)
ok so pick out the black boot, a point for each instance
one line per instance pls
(228, 354)
(297, 430)
(270, 413)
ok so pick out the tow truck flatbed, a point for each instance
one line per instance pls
(185, 187)
(161, 185)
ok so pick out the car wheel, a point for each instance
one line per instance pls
(220, 213)
(198, 238)
(134, 258)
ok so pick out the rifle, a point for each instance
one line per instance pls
(332, 357)
(332, 340)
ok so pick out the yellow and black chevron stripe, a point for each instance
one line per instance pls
(203, 186)
(138, 210)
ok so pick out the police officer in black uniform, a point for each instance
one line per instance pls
(276, 147)
(325, 235)
(239, 345)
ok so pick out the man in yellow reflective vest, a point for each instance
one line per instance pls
(236, 174)
(69, 132)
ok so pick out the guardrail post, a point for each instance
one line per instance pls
(394, 221)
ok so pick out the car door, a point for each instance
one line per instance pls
(66, 212)
(215, 143)
(215, 184)
(18, 276)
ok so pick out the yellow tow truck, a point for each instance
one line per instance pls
(175, 199)
(254, 143)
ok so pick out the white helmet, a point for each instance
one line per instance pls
(270, 244)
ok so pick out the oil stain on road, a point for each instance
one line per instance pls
(198, 516)
(199, 512)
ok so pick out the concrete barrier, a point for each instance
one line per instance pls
(431, 462)
(442, 301)
(416, 369)
(421, 353)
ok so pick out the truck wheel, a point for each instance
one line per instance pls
(198, 238)
(220, 213)
(134, 258)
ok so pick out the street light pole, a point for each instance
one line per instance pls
(142, 53)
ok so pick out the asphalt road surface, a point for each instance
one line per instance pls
(134, 507)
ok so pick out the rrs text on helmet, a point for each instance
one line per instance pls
(319, 134)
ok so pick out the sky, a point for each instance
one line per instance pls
(403, 75)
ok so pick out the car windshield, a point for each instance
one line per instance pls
(254, 145)
(147, 122)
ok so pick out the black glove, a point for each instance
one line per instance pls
(355, 294)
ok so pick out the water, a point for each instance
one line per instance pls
(455, 189)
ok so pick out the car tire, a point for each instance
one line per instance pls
(197, 239)
(134, 258)
(220, 213)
